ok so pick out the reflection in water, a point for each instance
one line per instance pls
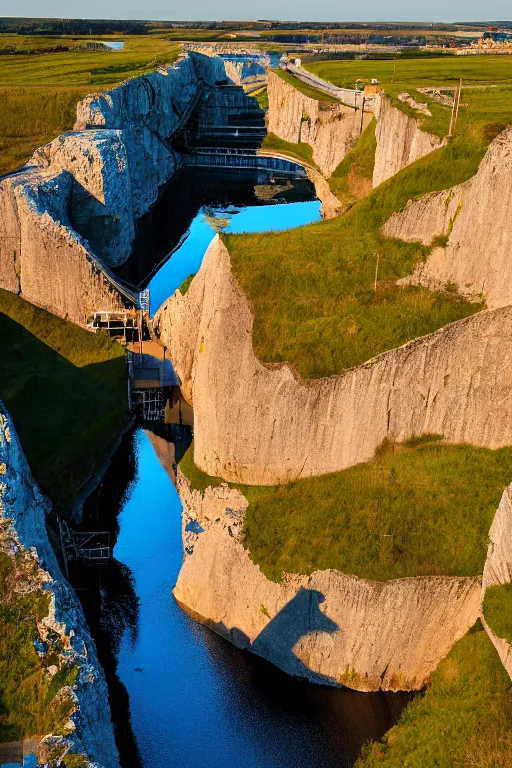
(181, 695)
(195, 700)
(195, 205)
(187, 259)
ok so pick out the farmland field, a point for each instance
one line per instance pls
(39, 91)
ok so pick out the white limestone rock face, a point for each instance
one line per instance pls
(22, 503)
(86, 189)
(400, 141)
(474, 219)
(101, 202)
(331, 129)
(263, 425)
(42, 257)
(331, 206)
(327, 628)
(498, 568)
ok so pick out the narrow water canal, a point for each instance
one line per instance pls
(181, 695)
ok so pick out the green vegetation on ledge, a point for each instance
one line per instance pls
(411, 511)
(464, 719)
(66, 391)
(498, 610)
(312, 288)
(186, 284)
(418, 509)
(30, 703)
(307, 90)
(301, 151)
(353, 178)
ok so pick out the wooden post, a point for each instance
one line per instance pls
(455, 109)
(376, 273)
(362, 116)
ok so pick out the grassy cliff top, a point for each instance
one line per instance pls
(312, 288)
(418, 509)
(39, 92)
(498, 610)
(66, 391)
(464, 718)
(307, 90)
(492, 99)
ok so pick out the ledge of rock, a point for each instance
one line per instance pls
(23, 511)
(400, 141)
(473, 217)
(262, 425)
(327, 628)
(330, 129)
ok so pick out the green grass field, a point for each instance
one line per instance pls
(302, 151)
(494, 102)
(312, 288)
(39, 92)
(66, 391)
(28, 706)
(423, 508)
(307, 90)
(498, 610)
(464, 719)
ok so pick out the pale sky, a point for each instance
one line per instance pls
(300, 10)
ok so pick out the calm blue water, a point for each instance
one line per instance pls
(195, 701)
(187, 259)
(116, 46)
(198, 702)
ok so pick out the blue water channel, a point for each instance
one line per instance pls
(194, 700)
(187, 258)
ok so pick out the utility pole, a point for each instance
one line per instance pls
(455, 109)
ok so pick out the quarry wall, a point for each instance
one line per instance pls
(474, 220)
(87, 188)
(328, 628)
(331, 129)
(262, 425)
(23, 511)
(498, 567)
(400, 141)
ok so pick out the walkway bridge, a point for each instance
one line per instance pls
(252, 159)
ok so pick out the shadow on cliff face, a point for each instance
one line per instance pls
(299, 618)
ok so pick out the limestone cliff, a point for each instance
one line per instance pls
(331, 206)
(331, 129)
(474, 220)
(262, 425)
(400, 141)
(328, 628)
(498, 567)
(23, 511)
(85, 190)
(42, 257)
